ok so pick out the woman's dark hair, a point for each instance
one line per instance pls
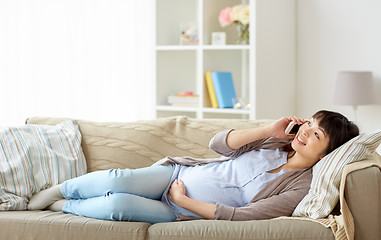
(338, 128)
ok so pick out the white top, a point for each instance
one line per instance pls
(233, 183)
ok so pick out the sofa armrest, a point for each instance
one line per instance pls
(363, 195)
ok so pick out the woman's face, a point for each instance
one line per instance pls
(310, 142)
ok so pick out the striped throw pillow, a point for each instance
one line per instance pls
(326, 175)
(35, 157)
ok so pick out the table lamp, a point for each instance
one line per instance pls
(354, 88)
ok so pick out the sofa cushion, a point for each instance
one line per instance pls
(34, 157)
(324, 192)
(240, 230)
(141, 143)
(15, 225)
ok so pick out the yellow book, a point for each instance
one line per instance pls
(210, 87)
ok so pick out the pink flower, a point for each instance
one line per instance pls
(224, 17)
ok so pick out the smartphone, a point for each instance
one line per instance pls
(292, 128)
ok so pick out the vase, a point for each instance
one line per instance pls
(243, 34)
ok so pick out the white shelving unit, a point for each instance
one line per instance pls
(265, 66)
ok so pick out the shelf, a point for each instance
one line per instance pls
(176, 109)
(263, 71)
(206, 110)
(226, 110)
(226, 47)
(176, 47)
(202, 47)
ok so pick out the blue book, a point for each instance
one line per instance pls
(224, 88)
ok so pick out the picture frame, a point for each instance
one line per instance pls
(218, 38)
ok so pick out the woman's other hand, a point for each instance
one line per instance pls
(177, 191)
(177, 195)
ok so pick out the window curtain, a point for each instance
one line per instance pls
(83, 59)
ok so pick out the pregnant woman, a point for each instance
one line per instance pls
(264, 174)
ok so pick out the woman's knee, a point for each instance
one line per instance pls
(129, 207)
(118, 205)
(118, 201)
(117, 177)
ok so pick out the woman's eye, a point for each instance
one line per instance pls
(309, 123)
(317, 135)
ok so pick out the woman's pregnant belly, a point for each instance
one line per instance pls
(209, 185)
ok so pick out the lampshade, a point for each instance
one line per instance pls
(354, 88)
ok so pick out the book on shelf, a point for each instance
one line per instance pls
(224, 89)
(211, 91)
(184, 104)
(184, 101)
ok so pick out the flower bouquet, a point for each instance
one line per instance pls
(239, 15)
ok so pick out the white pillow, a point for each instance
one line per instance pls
(35, 157)
(324, 192)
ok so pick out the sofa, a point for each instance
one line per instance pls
(142, 143)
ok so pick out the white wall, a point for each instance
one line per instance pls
(275, 58)
(334, 36)
(76, 58)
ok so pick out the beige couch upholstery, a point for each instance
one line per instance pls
(140, 144)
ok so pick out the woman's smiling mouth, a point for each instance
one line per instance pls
(299, 140)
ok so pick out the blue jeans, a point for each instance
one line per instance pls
(122, 195)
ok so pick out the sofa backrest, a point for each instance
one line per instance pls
(141, 143)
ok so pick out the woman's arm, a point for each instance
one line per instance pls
(177, 195)
(279, 205)
(279, 198)
(232, 143)
(239, 138)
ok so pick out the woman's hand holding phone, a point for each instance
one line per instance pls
(292, 128)
(286, 123)
(241, 137)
